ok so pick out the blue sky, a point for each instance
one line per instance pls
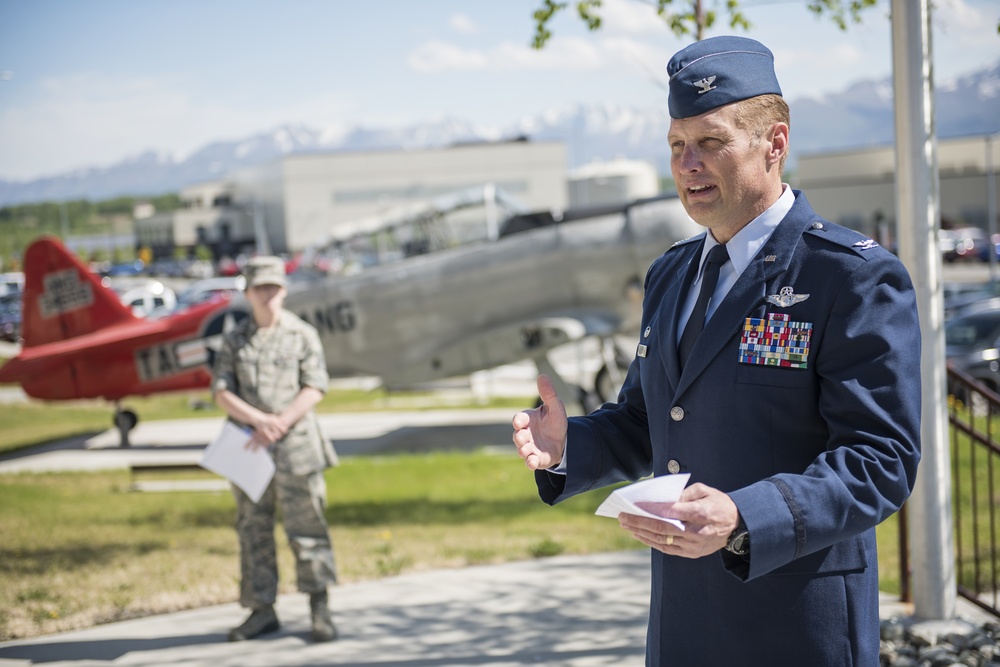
(87, 83)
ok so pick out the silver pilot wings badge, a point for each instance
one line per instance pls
(786, 297)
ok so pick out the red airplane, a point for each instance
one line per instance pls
(80, 341)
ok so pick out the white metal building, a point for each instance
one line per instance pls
(302, 198)
(613, 182)
(857, 188)
(207, 218)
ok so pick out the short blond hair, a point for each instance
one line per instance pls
(758, 114)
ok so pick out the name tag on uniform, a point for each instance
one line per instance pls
(776, 341)
(641, 351)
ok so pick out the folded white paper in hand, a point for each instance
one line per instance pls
(228, 455)
(663, 489)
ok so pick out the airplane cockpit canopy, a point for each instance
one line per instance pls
(473, 215)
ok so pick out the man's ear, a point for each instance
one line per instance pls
(778, 143)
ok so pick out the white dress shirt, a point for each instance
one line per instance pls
(742, 248)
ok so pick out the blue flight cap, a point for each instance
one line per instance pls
(718, 71)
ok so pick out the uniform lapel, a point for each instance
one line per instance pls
(673, 300)
(747, 294)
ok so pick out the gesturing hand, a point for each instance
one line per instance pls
(540, 434)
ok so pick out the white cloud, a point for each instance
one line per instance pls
(463, 24)
(958, 17)
(650, 56)
(571, 53)
(567, 53)
(627, 38)
(964, 31)
(95, 120)
(631, 17)
(829, 56)
(438, 56)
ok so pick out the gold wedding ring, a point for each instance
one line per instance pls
(670, 540)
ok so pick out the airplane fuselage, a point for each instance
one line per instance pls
(456, 311)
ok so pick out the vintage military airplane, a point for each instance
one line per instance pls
(464, 283)
(81, 341)
(468, 282)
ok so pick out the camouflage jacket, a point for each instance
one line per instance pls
(267, 369)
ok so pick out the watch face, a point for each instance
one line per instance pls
(739, 544)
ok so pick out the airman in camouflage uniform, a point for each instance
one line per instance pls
(268, 375)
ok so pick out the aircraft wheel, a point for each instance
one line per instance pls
(605, 385)
(590, 401)
(125, 421)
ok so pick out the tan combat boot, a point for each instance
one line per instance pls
(323, 629)
(261, 620)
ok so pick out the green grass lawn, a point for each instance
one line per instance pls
(82, 549)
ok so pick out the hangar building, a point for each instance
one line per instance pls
(856, 188)
(299, 199)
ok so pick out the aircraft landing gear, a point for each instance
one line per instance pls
(576, 399)
(611, 376)
(607, 382)
(125, 421)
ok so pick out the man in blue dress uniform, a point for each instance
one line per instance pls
(778, 365)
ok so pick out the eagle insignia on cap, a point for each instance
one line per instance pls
(705, 84)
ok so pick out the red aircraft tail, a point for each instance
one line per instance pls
(62, 297)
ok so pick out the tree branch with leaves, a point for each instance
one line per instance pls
(693, 17)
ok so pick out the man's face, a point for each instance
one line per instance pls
(723, 180)
(267, 298)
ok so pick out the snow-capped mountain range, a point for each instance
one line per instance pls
(861, 115)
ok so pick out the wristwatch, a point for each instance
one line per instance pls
(739, 541)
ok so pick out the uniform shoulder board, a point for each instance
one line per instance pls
(843, 236)
(690, 239)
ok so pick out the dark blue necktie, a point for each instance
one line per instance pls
(717, 256)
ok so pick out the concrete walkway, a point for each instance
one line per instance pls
(503, 616)
(182, 441)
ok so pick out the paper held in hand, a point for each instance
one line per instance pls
(249, 469)
(663, 489)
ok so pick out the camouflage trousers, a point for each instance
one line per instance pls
(302, 501)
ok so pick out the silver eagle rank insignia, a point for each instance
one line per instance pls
(786, 297)
(705, 84)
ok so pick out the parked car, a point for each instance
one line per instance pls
(959, 296)
(166, 267)
(228, 267)
(966, 244)
(972, 342)
(11, 282)
(199, 268)
(204, 290)
(946, 244)
(143, 296)
(10, 317)
(128, 269)
(210, 288)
